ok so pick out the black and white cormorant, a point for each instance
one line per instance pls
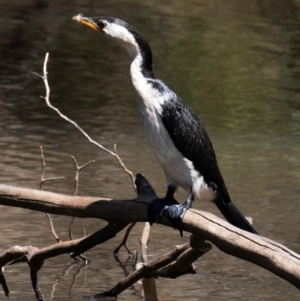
(175, 134)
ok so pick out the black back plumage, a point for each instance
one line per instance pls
(191, 139)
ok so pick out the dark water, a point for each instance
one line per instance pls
(236, 63)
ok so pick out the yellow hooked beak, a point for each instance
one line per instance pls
(87, 21)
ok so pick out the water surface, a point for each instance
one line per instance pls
(236, 63)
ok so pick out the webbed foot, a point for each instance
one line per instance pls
(170, 208)
(175, 214)
(157, 207)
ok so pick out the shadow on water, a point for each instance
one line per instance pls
(235, 63)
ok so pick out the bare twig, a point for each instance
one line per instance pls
(75, 276)
(4, 283)
(66, 273)
(42, 182)
(125, 168)
(78, 169)
(76, 182)
(43, 179)
(112, 153)
(52, 228)
(47, 99)
(34, 268)
(144, 240)
(145, 271)
(184, 262)
(173, 264)
(148, 289)
(123, 242)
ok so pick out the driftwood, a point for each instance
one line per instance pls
(119, 213)
(206, 230)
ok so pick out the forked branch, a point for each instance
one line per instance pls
(259, 250)
(47, 99)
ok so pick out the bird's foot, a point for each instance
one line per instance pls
(157, 207)
(169, 208)
(175, 214)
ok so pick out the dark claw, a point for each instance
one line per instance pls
(175, 214)
(156, 209)
(169, 208)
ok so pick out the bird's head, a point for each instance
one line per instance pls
(117, 30)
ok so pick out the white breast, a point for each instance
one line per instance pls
(179, 170)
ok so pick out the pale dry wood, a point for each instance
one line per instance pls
(259, 250)
(172, 265)
(184, 263)
(42, 182)
(148, 290)
(48, 103)
(146, 270)
(38, 255)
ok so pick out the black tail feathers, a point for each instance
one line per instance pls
(234, 216)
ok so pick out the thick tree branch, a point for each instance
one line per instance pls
(184, 263)
(38, 255)
(264, 252)
(172, 265)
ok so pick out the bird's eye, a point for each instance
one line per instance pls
(101, 24)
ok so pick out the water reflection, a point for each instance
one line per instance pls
(236, 64)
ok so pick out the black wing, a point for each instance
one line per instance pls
(191, 139)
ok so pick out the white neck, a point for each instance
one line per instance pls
(139, 81)
(132, 49)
